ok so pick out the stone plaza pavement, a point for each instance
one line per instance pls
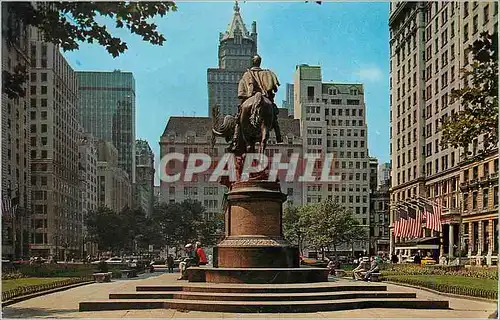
(64, 304)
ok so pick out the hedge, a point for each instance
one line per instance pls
(443, 287)
(25, 290)
(58, 270)
(415, 269)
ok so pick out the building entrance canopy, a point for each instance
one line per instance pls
(429, 243)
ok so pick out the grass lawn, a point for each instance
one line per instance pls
(466, 282)
(23, 282)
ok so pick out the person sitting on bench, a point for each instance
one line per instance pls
(373, 269)
(357, 273)
(190, 261)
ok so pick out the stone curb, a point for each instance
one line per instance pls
(41, 293)
(451, 295)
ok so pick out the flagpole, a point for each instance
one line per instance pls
(432, 202)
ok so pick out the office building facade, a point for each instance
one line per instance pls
(144, 177)
(114, 190)
(428, 45)
(15, 150)
(332, 120)
(57, 220)
(107, 111)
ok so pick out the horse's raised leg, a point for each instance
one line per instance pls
(264, 137)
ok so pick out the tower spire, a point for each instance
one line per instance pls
(236, 26)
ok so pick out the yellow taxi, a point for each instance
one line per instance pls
(428, 260)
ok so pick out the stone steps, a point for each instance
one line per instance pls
(328, 287)
(262, 306)
(310, 296)
(245, 298)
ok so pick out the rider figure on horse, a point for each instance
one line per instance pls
(256, 80)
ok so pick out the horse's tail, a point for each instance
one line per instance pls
(226, 129)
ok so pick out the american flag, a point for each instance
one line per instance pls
(432, 215)
(438, 211)
(403, 225)
(397, 225)
(414, 222)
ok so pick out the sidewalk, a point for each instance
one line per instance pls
(65, 304)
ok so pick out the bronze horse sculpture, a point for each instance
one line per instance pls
(256, 120)
(257, 113)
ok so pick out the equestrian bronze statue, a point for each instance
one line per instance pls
(257, 112)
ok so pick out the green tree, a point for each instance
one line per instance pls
(166, 220)
(69, 23)
(329, 225)
(293, 230)
(106, 228)
(478, 115)
(211, 230)
(185, 222)
(135, 226)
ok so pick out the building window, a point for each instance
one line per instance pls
(310, 92)
(495, 196)
(485, 198)
(474, 200)
(475, 24)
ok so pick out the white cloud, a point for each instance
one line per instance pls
(370, 74)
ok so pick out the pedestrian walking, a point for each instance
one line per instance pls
(170, 263)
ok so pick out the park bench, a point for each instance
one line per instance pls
(340, 273)
(102, 276)
(374, 276)
(128, 273)
(159, 267)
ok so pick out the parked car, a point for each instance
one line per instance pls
(409, 260)
(428, 261)
(115, 260)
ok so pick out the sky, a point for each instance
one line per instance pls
(349, 40)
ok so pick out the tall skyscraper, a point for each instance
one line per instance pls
(384, 174)
(428, 48)
(332, 120)
(55, 135)
(107, 111)
(288, 102)
(144, 176)
(237, 46)
(16, 171)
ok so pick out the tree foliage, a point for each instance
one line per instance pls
(67, 24)
(172, 224)
(293, 229)
(320, 225)
(185, 222)
(106, 228)
(478, 115)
